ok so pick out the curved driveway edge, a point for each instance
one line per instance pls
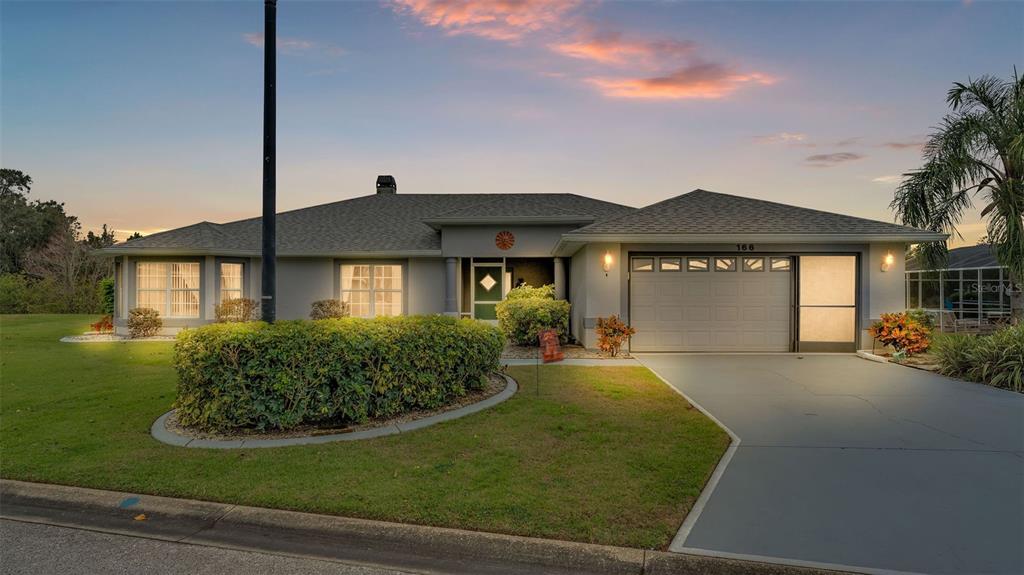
(160, 432)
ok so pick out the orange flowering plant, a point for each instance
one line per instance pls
(906, 334)
(612, 333)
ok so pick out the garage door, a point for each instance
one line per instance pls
(710, 303)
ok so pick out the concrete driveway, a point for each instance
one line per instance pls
(846, 462)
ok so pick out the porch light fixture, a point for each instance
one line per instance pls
(607, 265)
(887, 261)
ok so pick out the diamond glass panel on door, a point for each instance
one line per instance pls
(487, 291)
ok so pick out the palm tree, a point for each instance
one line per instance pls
(975, 154)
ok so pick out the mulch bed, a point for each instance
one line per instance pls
(93, 336)
(571, 352)
(495, 385)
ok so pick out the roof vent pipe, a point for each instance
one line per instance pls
(387, 185)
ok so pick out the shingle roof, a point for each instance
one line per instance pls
(982, 256)
(701, 212)
(516, 206)
(391, 223)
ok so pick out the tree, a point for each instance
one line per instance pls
(68, 264)
(104, 239)
(976, 153)
(135, 235)
(24, 224)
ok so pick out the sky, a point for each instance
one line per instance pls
(148, 115)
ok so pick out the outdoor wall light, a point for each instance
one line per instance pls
(887, 261)
(607, 262)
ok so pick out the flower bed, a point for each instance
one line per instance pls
(292, 373)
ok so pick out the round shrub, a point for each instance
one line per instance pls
(526, 311)
(262, 376)
(521, 320)
(236, 309)
(329, 309)
(144, 322)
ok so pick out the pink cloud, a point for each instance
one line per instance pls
(683, 74)
(256, 39)
(909, 145)
(832, 160)
(701, 81)
(612, 48)
(495, 19)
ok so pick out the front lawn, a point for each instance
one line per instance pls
(604, 455)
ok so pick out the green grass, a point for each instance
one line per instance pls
(603, 455)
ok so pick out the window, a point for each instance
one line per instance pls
(697, 264)
(670, 264)
(725, 264)
(230, 281)
(643, 264)
(372, 290)
(780, 264)
(753, 264)
(172, 289)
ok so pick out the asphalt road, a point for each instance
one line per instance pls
(29, 548)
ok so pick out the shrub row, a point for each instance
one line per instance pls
(290, 373)
(996, 359)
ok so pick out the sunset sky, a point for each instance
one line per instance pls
(147, 115)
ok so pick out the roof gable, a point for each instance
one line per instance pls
(701, 212)
(377, 223)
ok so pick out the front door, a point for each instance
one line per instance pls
(488, 290)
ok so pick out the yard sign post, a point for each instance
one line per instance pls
(268, 273)
(550, 350)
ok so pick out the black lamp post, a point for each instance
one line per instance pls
(268, 274)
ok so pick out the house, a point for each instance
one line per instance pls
(973, 286)
(698, 272)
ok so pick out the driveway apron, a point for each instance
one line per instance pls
(847, 462)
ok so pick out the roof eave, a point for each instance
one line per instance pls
(162, 252)
(572, 240)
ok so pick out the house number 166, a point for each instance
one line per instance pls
(745, 247)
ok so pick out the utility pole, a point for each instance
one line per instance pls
(268, 271)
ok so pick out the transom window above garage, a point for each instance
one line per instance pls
(643, 264)
(725, 264)
(670, 264)
(753, 264)
(697, 264)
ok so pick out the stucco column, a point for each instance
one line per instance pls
(559, 278)
(451, 305)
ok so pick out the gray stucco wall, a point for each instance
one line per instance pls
(478, 241)
(593, 296)
(425, 286)
(300, 282)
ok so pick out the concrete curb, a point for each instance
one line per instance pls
(578, 362)
(871, 356)
(160, 432)
(389, 545)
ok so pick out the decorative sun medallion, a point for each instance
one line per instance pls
(504, 240)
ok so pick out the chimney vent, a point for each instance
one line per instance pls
(387, 185)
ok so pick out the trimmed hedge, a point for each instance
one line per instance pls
(996, 360)
(291, 373)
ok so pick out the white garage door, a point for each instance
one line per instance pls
(710, 303)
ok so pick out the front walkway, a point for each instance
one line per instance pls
(852, 463)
